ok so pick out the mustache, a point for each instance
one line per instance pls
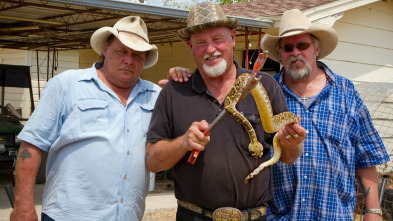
(127, 68)
(297, 58)
(210, 55)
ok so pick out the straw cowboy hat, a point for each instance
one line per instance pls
(205, 15)
(294, 22)
(132, 32)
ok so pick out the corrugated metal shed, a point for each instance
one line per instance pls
(64, 25)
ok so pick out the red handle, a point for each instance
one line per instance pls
(195, 153)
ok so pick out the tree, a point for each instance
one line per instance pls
(187, 4)
(228, 2)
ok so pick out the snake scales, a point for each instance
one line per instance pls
(270, 123)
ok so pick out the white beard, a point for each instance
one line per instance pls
(217, 70)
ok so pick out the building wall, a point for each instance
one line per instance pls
(13, 57)
(365, 49)
(87, 57)
(20, 98)
(169, 55)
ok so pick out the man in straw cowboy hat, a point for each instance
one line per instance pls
(214, 185)
(92, 122)
(342, 142)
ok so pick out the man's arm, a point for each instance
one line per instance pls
(368, 182)
(27, 164)
(164, 154)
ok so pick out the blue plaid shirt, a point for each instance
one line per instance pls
(320, 185)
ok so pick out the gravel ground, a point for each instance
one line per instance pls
(161, 186)
(164, 215)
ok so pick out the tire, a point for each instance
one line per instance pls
(41, 177)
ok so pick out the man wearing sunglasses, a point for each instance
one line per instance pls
(341, 143)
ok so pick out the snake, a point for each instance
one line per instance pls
(270, 123)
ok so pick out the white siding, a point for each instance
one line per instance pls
(65, 60)
(365, 49)
(20, 98)
(13, 56)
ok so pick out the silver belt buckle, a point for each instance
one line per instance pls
(227, 214)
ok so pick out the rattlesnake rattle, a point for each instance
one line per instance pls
(270, 123)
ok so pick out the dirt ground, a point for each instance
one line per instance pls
(161, 186)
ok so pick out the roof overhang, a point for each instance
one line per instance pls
(68, 24)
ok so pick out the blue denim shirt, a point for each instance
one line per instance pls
(96, 164)
(320, 185)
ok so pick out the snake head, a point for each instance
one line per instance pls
(251, 84)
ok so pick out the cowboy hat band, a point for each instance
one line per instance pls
(294, 22)
(205, 15)
(132, 32)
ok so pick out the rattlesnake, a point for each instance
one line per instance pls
(270, 123)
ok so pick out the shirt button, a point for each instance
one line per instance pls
(303, 199)
(121, 200)
(125, 177)
(306, 154)
(128, 130)
(305, 177)
(128, 152)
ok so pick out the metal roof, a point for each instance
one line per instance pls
(68, 24)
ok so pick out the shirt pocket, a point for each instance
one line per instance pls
(147, 111)
(94, 115)
(336, 127)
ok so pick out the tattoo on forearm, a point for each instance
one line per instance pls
(25, 154)
(366, 191)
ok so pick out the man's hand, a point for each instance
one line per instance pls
(194, 139)
(177, 74)
(291, 140)
(291, 135)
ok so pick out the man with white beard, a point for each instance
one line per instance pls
(215, 183)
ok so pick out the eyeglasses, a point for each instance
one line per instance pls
(301, 46)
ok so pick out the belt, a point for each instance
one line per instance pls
(226, 213)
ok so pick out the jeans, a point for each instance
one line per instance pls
(45, 217)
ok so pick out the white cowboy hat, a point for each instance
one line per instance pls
(132, 32)
(205, 15)
(294, 22)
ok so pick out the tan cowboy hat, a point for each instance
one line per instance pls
(294, 22)
(132, 32)
(205, 15)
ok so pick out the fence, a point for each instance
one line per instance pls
(378, 98)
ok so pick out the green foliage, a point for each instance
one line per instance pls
(184, 4)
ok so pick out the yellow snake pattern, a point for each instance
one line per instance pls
(270, 123)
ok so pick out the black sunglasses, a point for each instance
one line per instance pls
(301, 46)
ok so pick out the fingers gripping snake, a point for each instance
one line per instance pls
(270, 123)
